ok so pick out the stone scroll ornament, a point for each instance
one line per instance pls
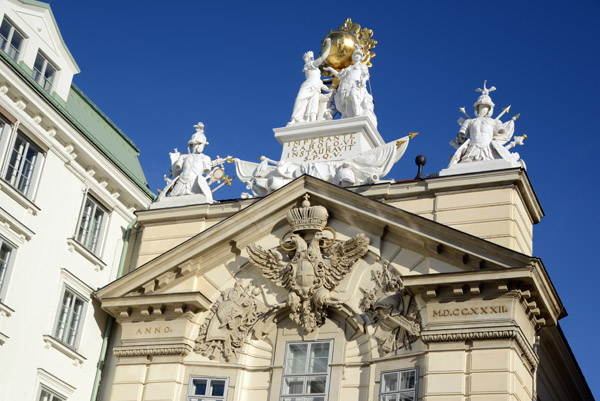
(230, 320)
(315, 265)
(392, 311)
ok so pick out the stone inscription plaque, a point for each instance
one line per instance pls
(481, 310)
(333, 147)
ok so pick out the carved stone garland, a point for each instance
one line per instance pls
(392, 311)
(231, 319)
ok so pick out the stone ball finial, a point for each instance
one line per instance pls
(420, 161)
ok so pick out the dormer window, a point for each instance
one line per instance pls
(43, 72)
(10, 40)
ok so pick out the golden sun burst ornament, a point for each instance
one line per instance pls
(343, 41)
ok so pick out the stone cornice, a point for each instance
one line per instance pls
(171, 349)
(155, 305)
(500, 333)
(258, 219)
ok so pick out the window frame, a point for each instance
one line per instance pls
(5, 274)
(8, 145)
(55, 396)
(100, 239)
(192, 397)
(306, 374)
(63, 339)
(42, 80)
(398, 391)
(11, 33)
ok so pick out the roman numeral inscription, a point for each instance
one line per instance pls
(469, 311)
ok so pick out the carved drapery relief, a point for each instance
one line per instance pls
(314, 265)
(230, 320)
(392, 311)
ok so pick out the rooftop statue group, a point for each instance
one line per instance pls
(482, 142)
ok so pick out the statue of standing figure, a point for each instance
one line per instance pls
(194, 171)
(485, 138)
(352, 98)
(310, 105)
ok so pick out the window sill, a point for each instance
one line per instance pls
(18, 197)
(5, 311)
(3, 338)
(83, 251)
(77, 358)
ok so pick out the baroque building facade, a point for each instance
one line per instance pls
(424, 289)
(70, 181)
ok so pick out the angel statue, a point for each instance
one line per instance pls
(485, 138)
(310, 105)
(317, 266)
(194, 172)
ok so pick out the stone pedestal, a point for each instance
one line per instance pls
(328, 140)
(475, 167)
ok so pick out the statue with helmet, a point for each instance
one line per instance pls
(484, 138)
(194, 172)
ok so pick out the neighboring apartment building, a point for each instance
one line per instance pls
(70, 181)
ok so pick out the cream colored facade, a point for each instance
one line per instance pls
(485, 311)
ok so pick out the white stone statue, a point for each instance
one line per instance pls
(310, 105)
(365, 168)
(351, 97)
(484, 138)
(193, 172)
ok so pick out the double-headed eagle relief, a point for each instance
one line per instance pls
(315, 268)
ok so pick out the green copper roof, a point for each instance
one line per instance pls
(93, 124)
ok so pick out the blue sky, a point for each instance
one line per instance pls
(158, 68)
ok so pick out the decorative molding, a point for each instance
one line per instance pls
(5, 310)
(392, 310)
(3, 338)
(18, 197)
(183, 350)
(232, 317)
(51, 342)
(506, 334)
(55, 383)
(75, 245)
(20, 231)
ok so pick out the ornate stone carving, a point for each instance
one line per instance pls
(484, 138)
(230, 320)
(487, 335)
(124, 353)
(316, 266)
(393, 312)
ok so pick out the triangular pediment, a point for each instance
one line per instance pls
(412, 245)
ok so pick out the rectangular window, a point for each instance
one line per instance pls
(43, 72)
(207, 389)
(47, 395)
(23, 164)
(399, 386)
(10, 40)
(91, 225)
(5, 257)
(69, 318)
(306, 371)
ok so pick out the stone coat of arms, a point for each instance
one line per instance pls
(317, 265)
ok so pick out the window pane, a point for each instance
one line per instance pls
(389, 397)
(292, 399)
(314, 398)
(319, 350)
(199, 386)
(407, 380)
(409, 396)
(296, 363)
(217, 387)
(5, 251)
(390, 382)
(316, 385)
(5, 31)
(293, 385)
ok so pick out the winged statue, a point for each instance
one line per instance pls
(317, 266)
